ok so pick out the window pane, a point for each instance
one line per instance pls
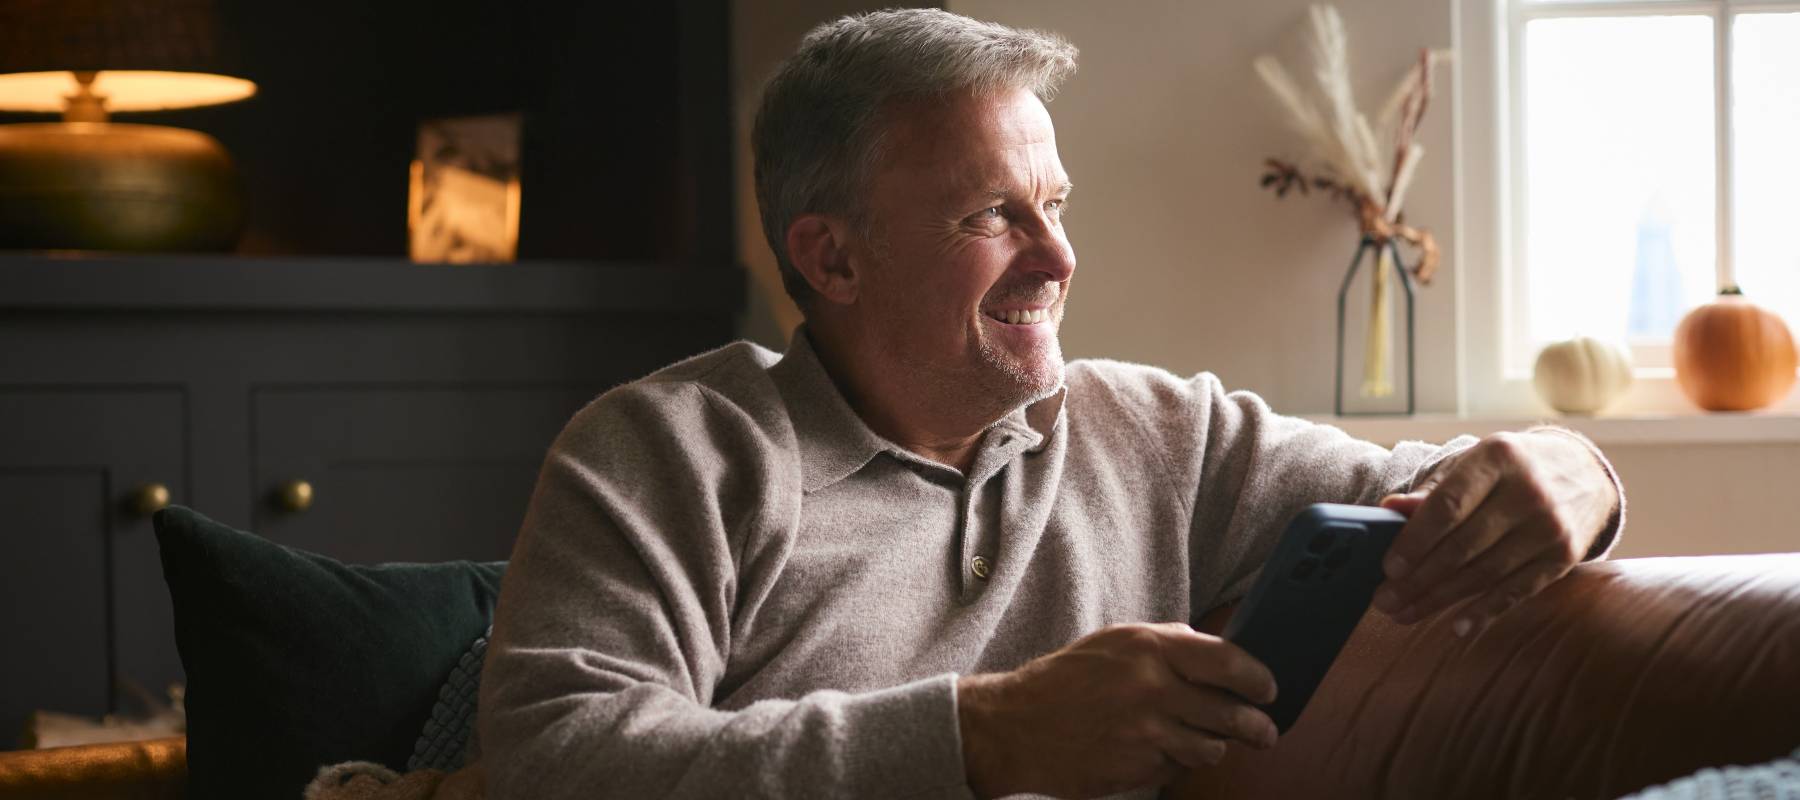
(1619, 169)
(1766, 109)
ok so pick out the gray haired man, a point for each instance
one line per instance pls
(917, 555)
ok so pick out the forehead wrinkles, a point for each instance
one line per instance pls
(1023, 171)
(974, 143)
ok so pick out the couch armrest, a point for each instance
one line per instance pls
(149, 770)
(1623, 675)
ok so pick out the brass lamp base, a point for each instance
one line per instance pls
(109, 186)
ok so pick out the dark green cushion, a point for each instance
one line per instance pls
(295, 660)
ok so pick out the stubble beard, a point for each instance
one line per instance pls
(1020, 379)
(1002, 381)
(996, 382)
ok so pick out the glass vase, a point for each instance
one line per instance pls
(1375, 341)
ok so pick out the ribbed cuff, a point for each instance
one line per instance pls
(917, 741)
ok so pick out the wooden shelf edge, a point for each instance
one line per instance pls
(233, 283)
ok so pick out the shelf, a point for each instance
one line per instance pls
(234, 283)
(1696, 428)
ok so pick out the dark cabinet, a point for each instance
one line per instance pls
(416, 402)
(77, 556)
(417, 473)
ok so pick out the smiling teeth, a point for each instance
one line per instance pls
(1018, 317)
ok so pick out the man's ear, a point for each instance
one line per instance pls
(819, 246)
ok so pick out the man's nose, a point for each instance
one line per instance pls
(1050, 254)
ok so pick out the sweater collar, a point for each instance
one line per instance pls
(835, 442)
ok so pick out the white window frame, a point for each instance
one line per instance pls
(1489, 196)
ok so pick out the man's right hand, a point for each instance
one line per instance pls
(1122, 708)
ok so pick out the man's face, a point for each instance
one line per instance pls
(970, 267)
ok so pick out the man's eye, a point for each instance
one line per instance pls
(992, 212)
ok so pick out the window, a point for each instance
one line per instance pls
(1628, 212)
(1643, 154)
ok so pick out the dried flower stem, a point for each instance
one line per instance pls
(1341, 138)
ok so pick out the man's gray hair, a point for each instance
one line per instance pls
(817, 138)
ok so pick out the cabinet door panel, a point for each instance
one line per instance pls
(53, 578)
(81, 574)
(405, 473)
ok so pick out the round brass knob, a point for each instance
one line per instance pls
(147, 499)
(295, 496)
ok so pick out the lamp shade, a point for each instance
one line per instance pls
(89, 184)
(149, 54)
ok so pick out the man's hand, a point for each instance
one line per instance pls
(1122, 708)
(1501, 521)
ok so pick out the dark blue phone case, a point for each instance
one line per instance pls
(1310, 595)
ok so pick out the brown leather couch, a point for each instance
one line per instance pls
(1624, 675)
(152, 770)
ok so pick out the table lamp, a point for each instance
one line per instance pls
(86, 183)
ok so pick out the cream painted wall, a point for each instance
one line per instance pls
(1185, 262)
(1696, 499)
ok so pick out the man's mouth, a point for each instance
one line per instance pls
(1020, 316)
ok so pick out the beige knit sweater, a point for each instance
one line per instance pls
(728, 586)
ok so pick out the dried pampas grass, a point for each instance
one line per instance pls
(1369, 165)
(1374, 160)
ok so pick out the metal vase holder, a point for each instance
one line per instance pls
(1371, 246)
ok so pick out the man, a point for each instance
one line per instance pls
(916, 555)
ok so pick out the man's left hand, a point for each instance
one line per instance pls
(1499, 522)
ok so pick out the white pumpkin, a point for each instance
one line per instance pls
(1581, 375)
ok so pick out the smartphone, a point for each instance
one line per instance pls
(1310, 595)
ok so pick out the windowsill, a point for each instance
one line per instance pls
(1750, 427)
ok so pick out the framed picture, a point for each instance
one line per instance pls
(463, 206)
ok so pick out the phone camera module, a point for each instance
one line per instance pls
(1338, 557)
(1304, 569)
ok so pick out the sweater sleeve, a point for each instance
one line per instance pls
(614, 629)
(1257, 469)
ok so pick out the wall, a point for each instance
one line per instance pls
(1709, 498)
(1185, 263)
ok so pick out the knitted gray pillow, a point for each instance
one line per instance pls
(1772, 780)
(449, 742)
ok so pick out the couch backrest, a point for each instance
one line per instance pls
(1622, 675)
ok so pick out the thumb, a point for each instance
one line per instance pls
(1407, 503)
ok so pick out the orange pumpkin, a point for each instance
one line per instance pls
(1733, 355)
